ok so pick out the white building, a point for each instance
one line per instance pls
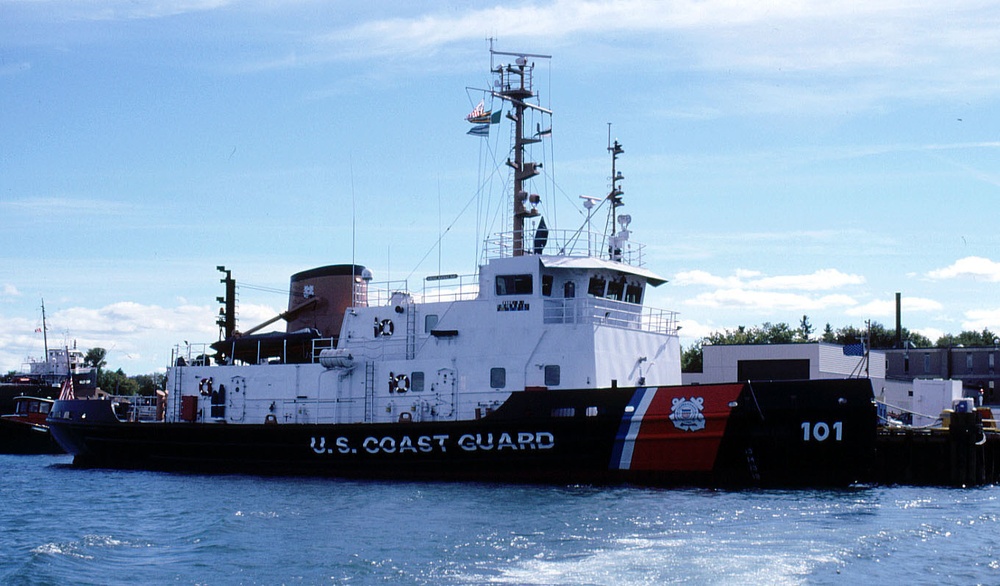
(814, 360)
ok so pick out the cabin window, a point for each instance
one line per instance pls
(547, 285)
(569, 289)
(514, 285)
(552, 375)
(591, 412)
(498, 378)
(927, 363)
(430, 322)
(596, 287)
(968, 361)
(633, 293)
(616, 290)
(564, 412)
(417, 381)
(44, 408)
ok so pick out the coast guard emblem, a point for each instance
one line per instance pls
(686, 413)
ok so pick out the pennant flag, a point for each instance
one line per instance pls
(66, 393)
(541, 236)
(540, 133)
(495, 119)
(480, 130)
(38, 330)
(854, 349)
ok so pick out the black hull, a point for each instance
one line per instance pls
(25, 438)
(805, 433)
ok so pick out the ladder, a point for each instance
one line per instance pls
(369, 391)
(411, 332)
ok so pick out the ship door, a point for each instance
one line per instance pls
(236, 396)
(444, 392)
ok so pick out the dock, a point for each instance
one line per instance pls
(964, 451)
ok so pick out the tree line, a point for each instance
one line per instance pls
(880, 338)
(116, 382)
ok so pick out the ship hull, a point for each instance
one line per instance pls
(804, 433)
(22, 437)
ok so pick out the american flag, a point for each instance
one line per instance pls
(66, 393)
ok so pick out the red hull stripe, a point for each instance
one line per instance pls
(674, 428)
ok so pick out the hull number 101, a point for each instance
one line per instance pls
(821, 431)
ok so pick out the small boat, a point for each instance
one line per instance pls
(546, 365)
(25, 431)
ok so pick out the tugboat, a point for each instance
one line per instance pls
(545, 366)
(25, 431)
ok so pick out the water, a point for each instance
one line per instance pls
(60, 525)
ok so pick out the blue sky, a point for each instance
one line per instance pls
(782, 158)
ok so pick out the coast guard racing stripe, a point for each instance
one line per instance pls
(673, 429)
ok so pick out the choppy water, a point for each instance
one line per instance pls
(60, 525)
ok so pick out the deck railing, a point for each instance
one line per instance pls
(616, 314)
(574, 243)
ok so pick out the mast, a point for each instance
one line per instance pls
(45, 334)
(616, 240)
(513, 83)
(615, 196)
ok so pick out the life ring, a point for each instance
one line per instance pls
(387, 327)
(402, 383)
(405, 417)
(205, 386)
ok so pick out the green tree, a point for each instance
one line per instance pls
(692, 358)
(828, 335)
(116, 382)
(881, 337)
(96, 357)
(968, 338)
(805, 328)
(149, 383)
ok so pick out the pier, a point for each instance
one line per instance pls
(963, 451)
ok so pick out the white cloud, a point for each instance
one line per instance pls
(770, 300)
(980, 319)
(887, 307)
(821, 280)
(10, 291)
(975, 267)
(136, 336)
(931, 334)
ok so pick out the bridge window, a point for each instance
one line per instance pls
(616, 290)
(633, 293)
(596, 287)
(547, 285)
(569, 289)
(514, 285)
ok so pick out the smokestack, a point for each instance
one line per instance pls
(899, 322)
